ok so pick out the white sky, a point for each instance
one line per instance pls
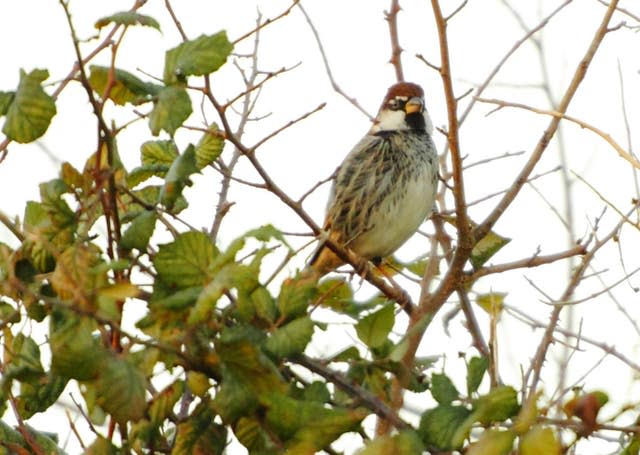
(356, 41)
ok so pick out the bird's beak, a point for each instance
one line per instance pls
(413, 105)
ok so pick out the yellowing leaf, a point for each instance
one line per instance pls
(497, 405)
(31, 110)
(404, 443)
(121, 390)
(120, 291)
(494, 442)
(445, 427)
(492, 303)
(489, 245)
(124, 87)
(186, 261)
(540, 440)
(209, 147)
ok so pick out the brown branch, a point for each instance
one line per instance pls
(534, 261)
(365, 397)
(175, 20)
(391, 17)
(543, 143)
(269, 21)
(607, 137)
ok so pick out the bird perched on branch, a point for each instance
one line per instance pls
(385, 188)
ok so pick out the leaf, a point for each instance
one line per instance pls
(492, 303)
(139, 232)
(476, 368)
(120, 291)
(494, 442)
(198, 383)
(30, 113)
(74, 277)
(101, 446)
(290, 339)
(198, 57)
(178, 177)
(39, 395)
(178, 300)
(6, 98)
(586, 407)
(406, 442)
(335, 293)
(309, 425)
(171, 109)
(346, 355)
(124, 88)
(294, 298)
(121, 390)
(442, 389)
(374, 328)
(249, 432)
(143, 173)
(75, 353)
(128, 18)
(540, 440)
(161, 406)
(158, 152)
(317, 391)
(199, 434)
(185, 262)
(496, 406)
(23, 360)
(489, 245)
(209, 147)
(445, 427)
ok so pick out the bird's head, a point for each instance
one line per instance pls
(403, 108)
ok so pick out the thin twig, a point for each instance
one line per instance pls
(336, 88)
(391, 17)
(559, 115)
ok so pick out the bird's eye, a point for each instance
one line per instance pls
(396, 104)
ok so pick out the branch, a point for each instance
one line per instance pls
(267, 22)
(542, 144)
(607, 137)
(327, 68)
(534, 261)
(365, 397)
(391, 17)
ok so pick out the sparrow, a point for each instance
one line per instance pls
(385, 187)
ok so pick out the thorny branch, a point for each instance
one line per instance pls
(391, 17)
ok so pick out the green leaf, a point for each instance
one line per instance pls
(489, 245)
(198, 57)
(309, 426)
(346, 355)
(101, 446)
(290, 339)
(234, 399)
(250, 433)
(199, 434)
(25, 360)
(445, 427)
(121, 390)
(178, 300)
(476, 368)
(496, 406)
(442, 389)
(186, 261)
(171, 109)
(124, 88)
(143, 173)
(374, 328)
(75, 353)
(162, 404)
(317, 391)
(336, 294)
(540, 440)
(492, 303)
(178, 177)
(495, 442)
(405, 442)
(39, 395)
(32, 109)
(139, 232)
(158, 152)
(128, 18)
(294, 298)
(6, 98)
(209, 147)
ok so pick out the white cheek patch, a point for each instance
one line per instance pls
(389, 120)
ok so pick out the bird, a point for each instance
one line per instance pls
(385, 187)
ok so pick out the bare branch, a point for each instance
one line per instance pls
(391, 17)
